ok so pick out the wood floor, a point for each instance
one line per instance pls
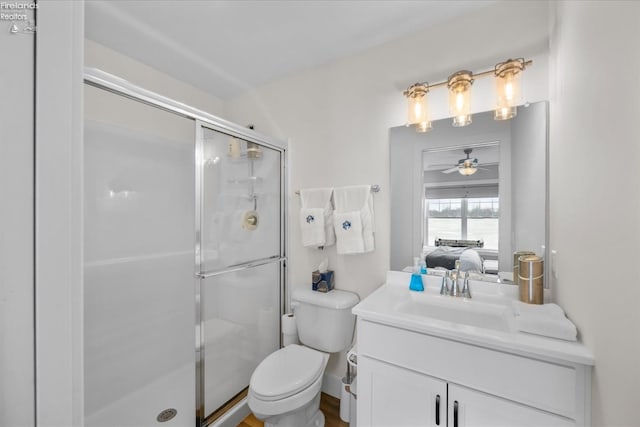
(329, 405)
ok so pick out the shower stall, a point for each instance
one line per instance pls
(184, 258)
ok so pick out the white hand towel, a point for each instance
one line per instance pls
(548, 320)
(319, 198)
(352, 200)
(316, 197)
(348, 226)
(545, 310)
(312, 227)
(366, 216)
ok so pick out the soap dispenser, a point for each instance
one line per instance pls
(423, 263)
(416, 277)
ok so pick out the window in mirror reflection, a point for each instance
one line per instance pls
(462, 218)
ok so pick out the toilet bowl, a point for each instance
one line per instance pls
(284, 390)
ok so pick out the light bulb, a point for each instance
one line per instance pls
(508, 90)
(417, 110)
(459, 101)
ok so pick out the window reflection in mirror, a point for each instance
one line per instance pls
(460, 205)
(462, 219)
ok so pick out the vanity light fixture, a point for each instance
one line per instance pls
(507, 76)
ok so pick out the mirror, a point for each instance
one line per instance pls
(503, 202)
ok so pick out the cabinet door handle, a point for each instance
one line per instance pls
(438, 410)
(455, 413)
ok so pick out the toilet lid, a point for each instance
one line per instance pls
(286, 372)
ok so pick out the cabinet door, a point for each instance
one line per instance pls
(473, 408)
(390, 396)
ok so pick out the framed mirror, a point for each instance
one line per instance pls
(485, 182)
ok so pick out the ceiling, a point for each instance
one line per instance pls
(228, 47)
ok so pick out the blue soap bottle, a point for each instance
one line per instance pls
(416, 277)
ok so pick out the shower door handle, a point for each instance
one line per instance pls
(240, 267)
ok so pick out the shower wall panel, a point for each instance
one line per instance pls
(139, 257)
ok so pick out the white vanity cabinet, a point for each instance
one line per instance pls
(469, 407)
(397, 397)
(409, 378)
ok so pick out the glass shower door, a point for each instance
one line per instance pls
(139, 292)
(241, 249)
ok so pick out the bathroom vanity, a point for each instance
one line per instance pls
(432, 360)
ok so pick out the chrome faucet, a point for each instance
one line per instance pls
(450, 285)
(466, 291)
(454, 290)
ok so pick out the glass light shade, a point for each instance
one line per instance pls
(507, 88)
(505, 113)
(467, 171)
(423, 127)
(418, 111)
(462, 120)
(460, 97)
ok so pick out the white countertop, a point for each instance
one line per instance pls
(387, 305)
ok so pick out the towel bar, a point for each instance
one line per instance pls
(374, 189)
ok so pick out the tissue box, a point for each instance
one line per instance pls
(322, 282)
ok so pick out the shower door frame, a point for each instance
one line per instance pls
(202, 417)
(111, 83)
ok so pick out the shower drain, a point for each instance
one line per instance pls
(166, 415)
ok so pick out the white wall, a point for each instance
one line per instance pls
(58, 187)
(338, 118)
(595, 196)
(16, 228)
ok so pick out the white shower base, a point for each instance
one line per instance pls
(143, 406)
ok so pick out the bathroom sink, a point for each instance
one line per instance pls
(488, 310)
(485, 320)
(457, 310)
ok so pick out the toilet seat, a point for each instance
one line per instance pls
(286, 372)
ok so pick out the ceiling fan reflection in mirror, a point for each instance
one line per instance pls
(467, 166)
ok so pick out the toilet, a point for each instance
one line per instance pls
(284, 390)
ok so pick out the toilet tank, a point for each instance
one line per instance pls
(324, 319)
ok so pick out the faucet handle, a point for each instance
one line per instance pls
(466, 291)
(444, 289)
